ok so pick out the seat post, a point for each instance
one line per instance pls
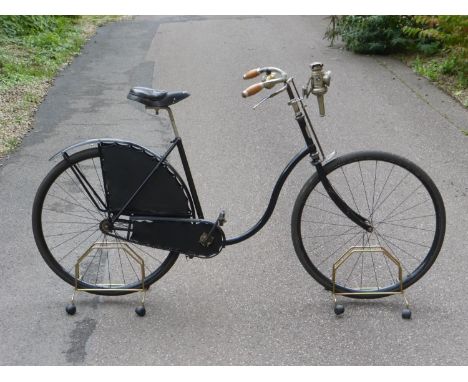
(171, 117)
(183, 158)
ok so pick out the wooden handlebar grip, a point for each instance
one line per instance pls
(251, 74)
(251, 90)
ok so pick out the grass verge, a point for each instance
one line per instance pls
(440, 69)
(28, 64)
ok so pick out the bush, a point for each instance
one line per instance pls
(13, 26)
(375, 34)
(451, 32)
(446, 37)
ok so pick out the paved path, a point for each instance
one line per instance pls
(253, 304)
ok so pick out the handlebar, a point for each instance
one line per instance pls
(273, 77)
(317, 85)
(251, 74)
(252, 89)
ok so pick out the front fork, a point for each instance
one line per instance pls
(340, 203)
(317, 162)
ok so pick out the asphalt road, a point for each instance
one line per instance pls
(254, 304)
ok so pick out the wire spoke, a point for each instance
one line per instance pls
(383, 187)
(83, 192)
(68, 213)
(108, 267)
(131, 265)
(99, 266)
(321, 193)
(406, 241)
(375, 271)
(121, 265)
(321, 209)
(146, 253)
(403, 201)
(411, 218)
(92, 260)
(66, 241)
(68, 233)
(386, 260)
(406, 226)
(90, 212)
(337, 249)
(98, 177)
(388, 241)
(81, 242)
(349, 188)
(355, 263)
(364, 186)
(391, 192)
(62, 222)
(333, 224)
(82, 188)
(346, 233)
(373, 192)
(408, 209)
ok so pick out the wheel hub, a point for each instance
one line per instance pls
(106, 226)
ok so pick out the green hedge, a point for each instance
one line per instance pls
(13, 26)
(444, 36)
(32, 48)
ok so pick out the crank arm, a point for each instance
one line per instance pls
(206, 238)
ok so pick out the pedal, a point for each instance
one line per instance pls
(222, 218)
(206, 239)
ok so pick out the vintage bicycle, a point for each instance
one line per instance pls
(112, 216)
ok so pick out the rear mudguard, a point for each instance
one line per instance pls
(92, 142)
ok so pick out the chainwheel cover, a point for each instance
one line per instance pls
(125, 166)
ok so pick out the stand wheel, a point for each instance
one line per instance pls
(71, 309)
(339, 309)
(406, 314)
(140, 310)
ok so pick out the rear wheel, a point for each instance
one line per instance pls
(66, 224)
(396, 196)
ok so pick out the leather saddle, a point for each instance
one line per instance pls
(155, 98)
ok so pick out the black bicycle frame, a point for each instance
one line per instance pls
(273, 199)
(310, 150)
(177, 142)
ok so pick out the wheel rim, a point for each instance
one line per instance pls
(70, 225)
(400, 205)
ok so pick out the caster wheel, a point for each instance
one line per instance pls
(140, 310)
(339, 309)
(71, 309)
(406, 314)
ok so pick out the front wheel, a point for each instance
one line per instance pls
(401, 202)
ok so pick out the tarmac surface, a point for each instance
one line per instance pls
(253, 304)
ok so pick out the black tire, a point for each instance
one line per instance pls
(74, 209)
(401, 184)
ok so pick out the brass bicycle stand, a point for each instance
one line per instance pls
(368, 291)
(140, 310)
